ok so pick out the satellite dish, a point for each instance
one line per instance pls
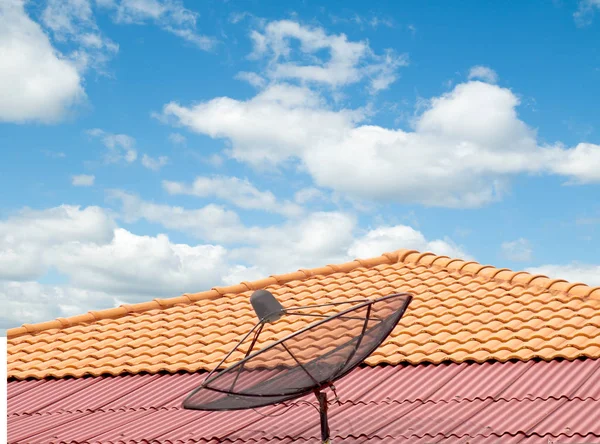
(301, 362)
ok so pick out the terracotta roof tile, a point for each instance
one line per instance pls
(461, 311)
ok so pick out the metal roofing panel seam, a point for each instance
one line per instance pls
(377, 402)
(589, 376)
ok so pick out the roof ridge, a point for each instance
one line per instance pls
(488, 272)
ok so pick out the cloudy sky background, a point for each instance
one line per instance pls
(151, 148)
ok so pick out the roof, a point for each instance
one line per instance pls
(488, 345)
(525, 402)
(461, 311)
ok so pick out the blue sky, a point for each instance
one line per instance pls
(153, 147)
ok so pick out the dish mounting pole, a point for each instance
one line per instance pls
(322, 398)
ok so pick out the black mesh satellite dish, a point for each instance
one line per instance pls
(301, 362)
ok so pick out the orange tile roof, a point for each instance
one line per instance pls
(461, 311)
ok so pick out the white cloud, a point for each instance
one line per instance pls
(383, 239)
(237, 17)
(30, 302)
(170, 15)
(356, 19)
(307, 195)
(586, 273)
(483, 73)
(349, 62)
(240, 192)
(128, 269)
(518, 250)
(28, 237)
(375, 22)
(85, 245)
(120, 146)
(464, 146)
(316, 239)
(83, 180)
(141, 266)
(66, 17)
(212, 222)
(59, 224)
(581, 164)
(37, 83)
(154, 164)
(252, 78)
(384, 73)
(585, 12)
(106, 265)
(73, 21)
(278, 123)
(214, 160)
(177, 139)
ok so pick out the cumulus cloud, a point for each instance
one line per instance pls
(240, 192)
(85, 245)
(278, 123)
(106, 265)
(154, 164)
(581, 163)
(390, 238)
(317, 238)
(307, 195)
(83, 180)
(120, 146)
(349, 62)
(212, 222)
(141, 267)
(170, 15)
(27, 237)
(37, 83)
(462, 151)
(518, 250)
(215, 223)
(252, 78)
(214, 160)
(30, 302)
(128, 269)
(587, 273)
(483, 73)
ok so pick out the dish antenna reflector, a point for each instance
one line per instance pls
(308, 360)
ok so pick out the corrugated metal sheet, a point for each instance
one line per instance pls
(524, 402)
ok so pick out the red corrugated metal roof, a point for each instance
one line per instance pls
(526, 402)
